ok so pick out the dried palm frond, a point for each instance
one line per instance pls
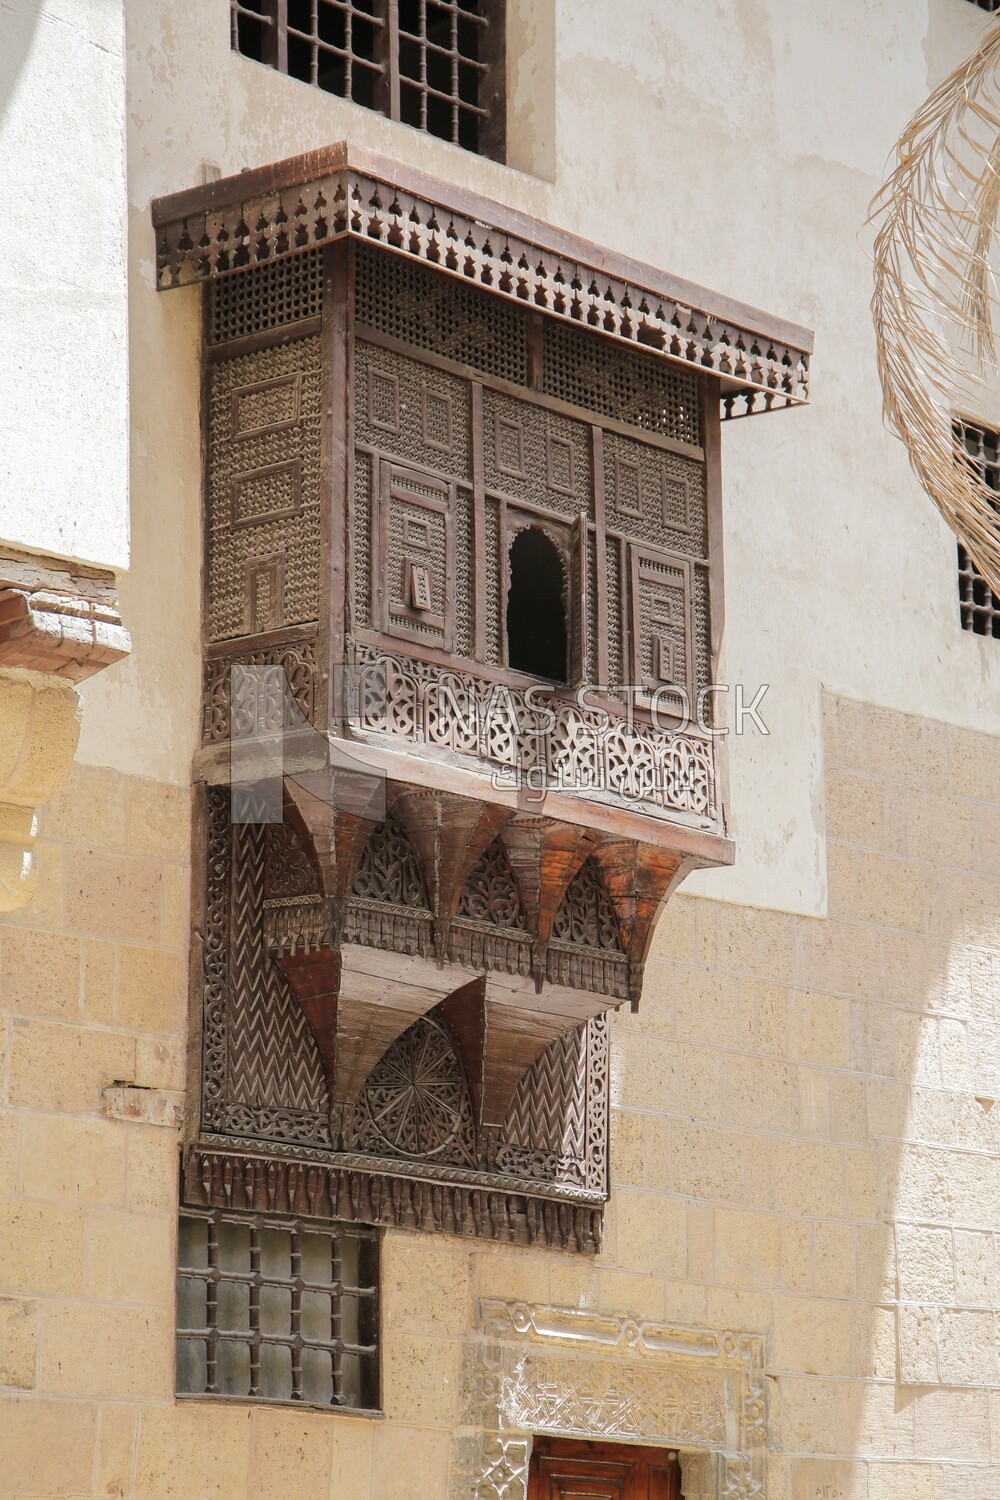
(935, 289)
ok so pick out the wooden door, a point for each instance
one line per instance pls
(562, 1469)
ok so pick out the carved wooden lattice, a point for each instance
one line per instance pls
(586, 915)
(389, 869)
(264, 490)
(297, 662)
(289, 291)
(662, 773)
(363, 494)
(491, 894)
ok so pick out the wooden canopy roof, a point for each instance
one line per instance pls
(258, 216)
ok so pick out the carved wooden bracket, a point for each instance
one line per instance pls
(501, 1025)
(490, 920)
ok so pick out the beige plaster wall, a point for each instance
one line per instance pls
(63, 311)
(805, 1146)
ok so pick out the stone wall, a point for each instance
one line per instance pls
(806, 1151)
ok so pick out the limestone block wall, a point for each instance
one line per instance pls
(806, 1149)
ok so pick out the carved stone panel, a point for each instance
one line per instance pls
(561, 1372)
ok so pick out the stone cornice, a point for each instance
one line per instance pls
(62, 621)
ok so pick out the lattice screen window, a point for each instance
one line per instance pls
(978, 605)
(276, 1309)
(434, 64)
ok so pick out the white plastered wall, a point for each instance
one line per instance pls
(63, 306)
(737, 145)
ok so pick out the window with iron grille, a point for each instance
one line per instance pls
(277, 1309)
(434, 64)
(979, 606)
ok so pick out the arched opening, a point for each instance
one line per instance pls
(536, 612)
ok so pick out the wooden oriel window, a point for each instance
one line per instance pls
(435, 64)
(978, 605)
(567, 1470)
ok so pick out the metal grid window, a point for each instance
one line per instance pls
(979, 606)
(276, 1309)
(434, 64)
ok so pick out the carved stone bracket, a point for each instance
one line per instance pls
(61, 634)
(57, 627)
(558, 1371)
(39, 729)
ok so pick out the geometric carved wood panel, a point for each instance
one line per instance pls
(661, 620)
(263, 490)
(415, 572)
(264, 1088)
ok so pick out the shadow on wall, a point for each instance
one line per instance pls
(806, 1138)
(18, 29)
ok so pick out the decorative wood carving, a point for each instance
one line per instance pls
(258, 217)
(389, 1192)
(670, 775)
(416, 1100)
(405, 983)
(319, 1086)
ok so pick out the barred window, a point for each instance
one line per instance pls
(978, 605)
(434, 64)
(276, 1308)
